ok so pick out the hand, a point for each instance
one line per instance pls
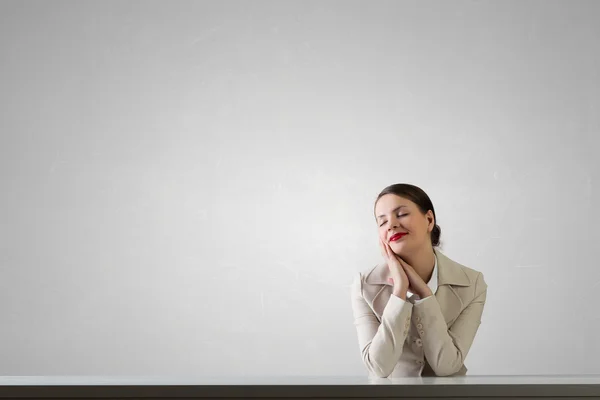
(399, 277)
(417, 284)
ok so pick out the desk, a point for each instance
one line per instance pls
(473, 387)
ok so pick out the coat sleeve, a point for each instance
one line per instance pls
(446, 349)
(380, 343)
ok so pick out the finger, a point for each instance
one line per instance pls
(389, 250)
(405, 265)
(385, 248)
(412, 274)
(407, 268)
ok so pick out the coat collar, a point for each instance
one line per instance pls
(449, 273)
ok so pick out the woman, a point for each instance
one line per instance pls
(417, 314)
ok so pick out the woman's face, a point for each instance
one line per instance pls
(397, 215)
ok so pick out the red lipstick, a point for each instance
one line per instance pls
(397, 236)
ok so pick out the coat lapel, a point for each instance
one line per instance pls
(379, 289)
(381, 299)
(450, 303)
(450, 278)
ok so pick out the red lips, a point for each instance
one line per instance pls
(397, 236)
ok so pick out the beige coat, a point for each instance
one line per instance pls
(432, 337)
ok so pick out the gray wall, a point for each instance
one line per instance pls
(187, 186)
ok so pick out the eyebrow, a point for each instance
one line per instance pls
(394, 210)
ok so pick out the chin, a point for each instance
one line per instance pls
(398, 248)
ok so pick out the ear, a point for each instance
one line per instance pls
(430, 221)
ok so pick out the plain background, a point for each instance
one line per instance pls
(187, 187)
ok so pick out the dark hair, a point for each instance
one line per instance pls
(420, 198)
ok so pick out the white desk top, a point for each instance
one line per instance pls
(304, 381)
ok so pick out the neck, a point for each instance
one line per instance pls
(423, 261)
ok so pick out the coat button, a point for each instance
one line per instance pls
(419, 326)
(419, 342)
(422, 333)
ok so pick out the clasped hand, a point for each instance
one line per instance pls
(403, 276)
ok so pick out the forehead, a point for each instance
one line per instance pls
(389, 202)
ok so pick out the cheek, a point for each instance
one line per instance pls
(408, 224)
(383, 232)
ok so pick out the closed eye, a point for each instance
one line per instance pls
(399, 216)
